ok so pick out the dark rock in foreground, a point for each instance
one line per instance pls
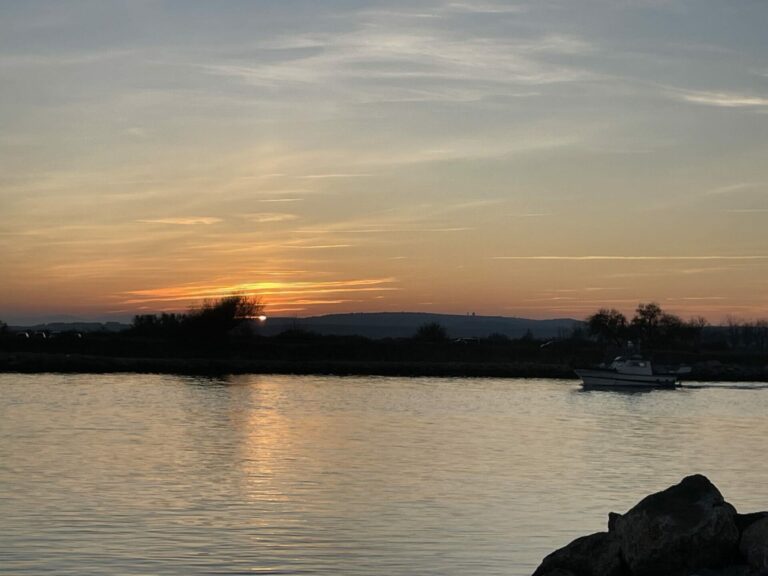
(688, 529)
(754, 546)
(684, 528)
(594, 555)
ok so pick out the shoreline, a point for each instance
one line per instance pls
(38, 363)
(29, 363)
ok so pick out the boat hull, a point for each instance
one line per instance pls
(613, 379)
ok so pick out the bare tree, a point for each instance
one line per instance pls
(431, 332)
(609, 326)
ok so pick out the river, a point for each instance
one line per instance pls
(166, 475)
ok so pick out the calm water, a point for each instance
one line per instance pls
(135, 474)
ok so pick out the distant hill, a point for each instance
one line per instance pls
(368, 324)
(55, 327)
(404, 324)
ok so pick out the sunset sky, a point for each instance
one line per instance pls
(535, 158)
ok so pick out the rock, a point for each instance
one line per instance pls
(594, 555)
(734, 570)
(557, 572)
(685, 528)
(754, 546)
(744, 521)
(613, 517)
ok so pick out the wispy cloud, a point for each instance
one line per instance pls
(396, 230)
(410, 219)
(445, 9)
(268, 176)
(485, 7)
(532, 139)
(72, 58)
(187, 221)
(317, 246)
(666, 271)
(731, 188)
(316, 301)
(279, 293)
(696, 298)
(270, 217)
(377, 63)
(334, 175)
(721, 99)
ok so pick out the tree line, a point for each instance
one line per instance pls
(650, 327)
(214, 320)
(746, 335)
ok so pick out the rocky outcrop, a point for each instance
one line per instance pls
(688, 529)
(744, 521)
(594, 555)
(682, 529)
(754, 546)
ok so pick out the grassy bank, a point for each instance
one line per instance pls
(78, 363)
(32, 362)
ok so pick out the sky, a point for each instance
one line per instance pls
(519, 158)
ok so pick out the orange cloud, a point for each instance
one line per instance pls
(286, 293)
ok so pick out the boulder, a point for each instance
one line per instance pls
(754, 546)
(613, 517)
(594, 555)
(744, 521)
(679, 531)
(734, 570)
(558, 572)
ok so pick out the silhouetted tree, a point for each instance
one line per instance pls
(672, 330)
(297, 333)
(498, 338)
(734, 331)
(747, 335)
(698, 322)
(577, 333)
(761, 328)
(693, 330)
(609, 326)
(144, 324)
(163, 326)
(431, 332)
(3, 327)
(527, 337)
(215, 319)
(653, 327)
(645, 323)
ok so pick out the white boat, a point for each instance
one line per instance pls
(634, 372)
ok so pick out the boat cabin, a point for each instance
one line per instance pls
(632, 365)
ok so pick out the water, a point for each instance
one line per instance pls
(136, 474)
